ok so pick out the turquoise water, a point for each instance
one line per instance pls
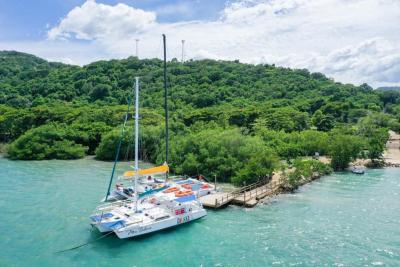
(340, 220)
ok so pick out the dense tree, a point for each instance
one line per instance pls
(304, 171)
(151, 138)
(343, 149)
(100, 91)
(50, 141)
(227, 119)
(224, 153)
(323, 122)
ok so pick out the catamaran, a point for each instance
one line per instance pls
(171, 207)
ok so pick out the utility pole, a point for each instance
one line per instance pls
(183, 51)
(137, 47)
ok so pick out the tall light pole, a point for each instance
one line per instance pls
(137, 47)
(183, 51)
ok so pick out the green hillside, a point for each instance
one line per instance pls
(225, 116)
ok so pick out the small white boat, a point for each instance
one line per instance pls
(358, 169)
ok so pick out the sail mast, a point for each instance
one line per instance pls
(166, 101)
(136, 138)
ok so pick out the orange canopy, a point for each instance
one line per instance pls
(155, 170)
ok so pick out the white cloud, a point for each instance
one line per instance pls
(98, 21)
(376, 60)
(350, 40)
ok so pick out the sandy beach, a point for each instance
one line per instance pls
(392, 153)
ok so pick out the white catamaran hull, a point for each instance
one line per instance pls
(102, 228)
(141, 229)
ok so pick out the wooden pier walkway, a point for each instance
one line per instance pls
(216, 200)
(247, 196)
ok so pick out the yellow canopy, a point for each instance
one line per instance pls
(155, 170)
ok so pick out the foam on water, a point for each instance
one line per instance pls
(339, 220)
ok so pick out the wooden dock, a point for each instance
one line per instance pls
(251, 197)
(216, 200)
(247, 196)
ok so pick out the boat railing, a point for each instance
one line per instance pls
(115, 204)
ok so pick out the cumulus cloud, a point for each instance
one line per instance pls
(350, 40)
(96, 21)
(377, 60)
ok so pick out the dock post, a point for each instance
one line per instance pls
(216, 203)
(215, 182)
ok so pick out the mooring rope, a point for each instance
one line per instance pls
(87, 243)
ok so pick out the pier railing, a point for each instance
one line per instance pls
(252, 191)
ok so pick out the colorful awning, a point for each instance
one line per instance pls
(152, 171)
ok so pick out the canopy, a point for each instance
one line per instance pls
(155, 170)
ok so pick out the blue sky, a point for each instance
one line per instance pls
(352, 41)
(28, 19)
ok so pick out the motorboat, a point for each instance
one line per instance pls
(358, 169)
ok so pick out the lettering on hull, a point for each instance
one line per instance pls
(139, 230)
(183, 219)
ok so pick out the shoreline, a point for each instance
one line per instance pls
(390, 157)
(278, 184)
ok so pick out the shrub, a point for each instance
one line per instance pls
(50, 141)
(108, 145)
(344, 149)
(304, 171)
(150, 142)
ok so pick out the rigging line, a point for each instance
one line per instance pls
(127, 155)
(118, 148)
(82, 245)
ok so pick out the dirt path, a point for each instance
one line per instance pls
(392, 153)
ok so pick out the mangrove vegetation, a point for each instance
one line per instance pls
(237, 121)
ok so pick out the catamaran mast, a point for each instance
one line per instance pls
(166, 101)
(136, 138)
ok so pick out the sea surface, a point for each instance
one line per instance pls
(339, 220)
